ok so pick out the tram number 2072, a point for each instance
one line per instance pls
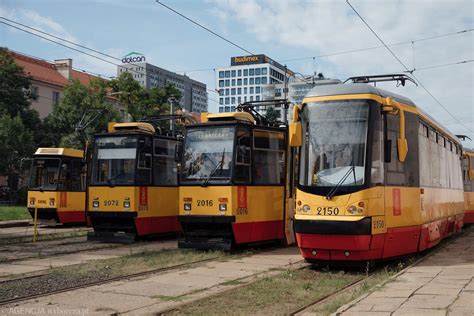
(327, 210)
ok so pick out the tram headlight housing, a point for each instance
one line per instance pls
(95, 203)
(126, 204)
(51, 202)
(355, 210)
(187, 206)
(222, 207)
(306, 208)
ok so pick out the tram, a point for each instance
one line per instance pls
(57, 185)
(232, 189)
(468, 177)
(133, 189)
(377, 177)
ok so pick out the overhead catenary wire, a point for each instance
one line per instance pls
(406, 68)
(203, 27)
(445, 65)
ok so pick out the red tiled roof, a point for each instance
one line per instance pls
(83, 77)
(40, 70)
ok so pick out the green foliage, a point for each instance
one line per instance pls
(141, 102)
(16, 142)
(68, 112)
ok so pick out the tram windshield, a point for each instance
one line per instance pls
(45, 174)
(208, 154)
(114, 160)
(334, 151)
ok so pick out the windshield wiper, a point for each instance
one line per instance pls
(339, 184)
(220, 164)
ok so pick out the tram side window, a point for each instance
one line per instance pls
(164, 165)
(269, 158)
(376, 173)
(144, 162)
(243, 156)
(70, 175)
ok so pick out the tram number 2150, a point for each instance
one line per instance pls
(327, 210)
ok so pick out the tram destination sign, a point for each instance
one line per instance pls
(133, 57)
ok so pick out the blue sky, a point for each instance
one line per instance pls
(282, 29)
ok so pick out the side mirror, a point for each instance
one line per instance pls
(295, 134)
(402, 143)
(402, 149)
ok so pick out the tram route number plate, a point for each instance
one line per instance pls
(111, 203)
(327, 210)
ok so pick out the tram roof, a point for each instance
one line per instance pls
(363, 88)
(69, 152)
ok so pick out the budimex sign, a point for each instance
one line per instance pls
(133, 57)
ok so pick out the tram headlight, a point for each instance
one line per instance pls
(126, 204)
(354, 210)
(187, 206)
(51, 202)
(306, 208)
(222, 207)
(95, 203)
(32, 201)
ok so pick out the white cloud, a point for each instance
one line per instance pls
(331, 26)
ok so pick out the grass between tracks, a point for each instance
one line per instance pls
(100, 270)
(9, 213)
(278, 295)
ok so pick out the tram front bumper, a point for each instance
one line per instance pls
(113, 226)
(206, 232)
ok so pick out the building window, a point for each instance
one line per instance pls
(257, 98)
(221, 100)
(227, 101)
(233, 82)
(227, 108)
(251, 90)
(233, 73)
(257, 71)
(239, 91)
(245, 99)
(257, 80)
(251, 81)
(232, 91)
(227, 91)
(221, 92)
(239, 100)
(233, 100)
(264, 80)
(221, 74)
(34, 93)
(55, 97)
(245, 90)
(227, 73)
(221, 109)
(239, 82)
(257, 89)
(264, 71)
(232, 108)
(227, 82)
(221, 83)
(239, 73)
(246, 81)
(251, 98)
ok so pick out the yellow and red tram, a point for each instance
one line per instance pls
(133, 189)
(377, 178)
(57, 185)
(468, 177)
(232, 188)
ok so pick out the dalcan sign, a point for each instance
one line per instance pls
(133, 57)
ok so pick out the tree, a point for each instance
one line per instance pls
(272, 115)
(68, 112)
(16, 142)
(141, 102)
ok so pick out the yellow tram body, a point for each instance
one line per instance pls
(57, 185)
(133, 190)
(217, 213)
(374, 220)
(468, 177)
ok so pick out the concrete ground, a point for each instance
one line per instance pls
(441, 284)
(159, 292)
(26, 231)
(9, 270)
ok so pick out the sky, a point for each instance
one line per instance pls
(288, 31)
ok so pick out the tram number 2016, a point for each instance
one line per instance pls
(205, 203)
(327, 210)
(111, 203)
